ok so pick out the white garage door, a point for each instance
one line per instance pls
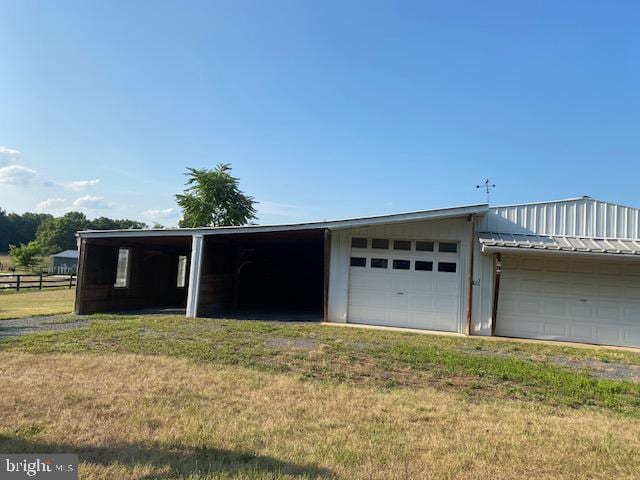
(573, 300)
(404, 283)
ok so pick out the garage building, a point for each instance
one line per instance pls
(562, 270)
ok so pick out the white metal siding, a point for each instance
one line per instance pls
(583, 217)
(483, 277)
(458, 229)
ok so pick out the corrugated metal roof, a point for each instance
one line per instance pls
(578, 217)
(66, 254)
(555, 243)
(440, 213)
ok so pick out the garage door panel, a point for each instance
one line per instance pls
(507, 304)
(608, 312)
(608, 334)
(611, 291)
(556, 308)
(400, 302)
(424, 303)
(631, 335)
(379, 282)
(445, 304)
(611, 269)
(528, 305)
(581, 331)
(586, 301)
(555, 288)
(401, 284)
(531, 286)
(447, 285)
(422, 285)
(557, 266)
(410, 292)
(581, 310)
(632, 314)
(583, 267)
(530, 264)
(554, 329)
(581, 289)
(529, 327)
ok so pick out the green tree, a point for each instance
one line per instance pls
(19, 228)
(25, 254)
(59, 233)
(214, 199)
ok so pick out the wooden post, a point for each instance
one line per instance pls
(18, 283)
(70, 280)
(467, 326)
(40, 284)
(496, 292)
(79, 307)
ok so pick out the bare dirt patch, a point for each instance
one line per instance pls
(596, 368)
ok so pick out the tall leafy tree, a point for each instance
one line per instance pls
(59, 233)
(213, 199)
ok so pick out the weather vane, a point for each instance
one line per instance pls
(487, 187)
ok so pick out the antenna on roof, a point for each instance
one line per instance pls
(487, 187)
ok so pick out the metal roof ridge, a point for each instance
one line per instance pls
(481, 207)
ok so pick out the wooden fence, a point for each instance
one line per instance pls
(40, 281)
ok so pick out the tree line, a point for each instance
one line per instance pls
(44, 234)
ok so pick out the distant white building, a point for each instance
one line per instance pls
(561, 270)
(64, 262)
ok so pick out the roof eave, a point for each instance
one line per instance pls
(438, 214)
(487, 249)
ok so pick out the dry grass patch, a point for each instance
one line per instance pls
(140, 417)
(36, 302)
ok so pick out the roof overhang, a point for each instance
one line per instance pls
(436, 214)
(586, 247)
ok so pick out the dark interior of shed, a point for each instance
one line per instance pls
(278, 275)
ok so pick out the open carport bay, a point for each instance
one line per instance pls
(264, 274)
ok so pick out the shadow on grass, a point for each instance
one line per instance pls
(174, 461)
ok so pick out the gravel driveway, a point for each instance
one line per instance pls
(23, 326)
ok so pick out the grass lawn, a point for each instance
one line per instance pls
(166, 397)
(29, 303)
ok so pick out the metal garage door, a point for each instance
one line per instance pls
(583, 301)
(404, 283)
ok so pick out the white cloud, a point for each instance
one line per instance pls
(80, 185)
(10, 154)
(90, 202)
(160, 214)
(16, 175)
(50, 205)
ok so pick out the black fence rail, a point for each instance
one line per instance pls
(39, 281)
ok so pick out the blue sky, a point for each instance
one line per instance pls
(324, 109)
